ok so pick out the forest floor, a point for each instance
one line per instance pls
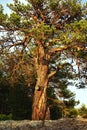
(61, 124)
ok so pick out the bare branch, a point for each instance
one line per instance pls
(59, 49)
(18, 43)
(51, 74)
(53, 50)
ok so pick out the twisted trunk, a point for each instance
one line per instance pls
(40, 109)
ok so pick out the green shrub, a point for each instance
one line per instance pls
(83, 110)
(5, 117)
(72, 113)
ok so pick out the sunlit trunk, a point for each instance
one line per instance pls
(40, 110)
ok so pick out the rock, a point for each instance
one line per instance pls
(62, 124)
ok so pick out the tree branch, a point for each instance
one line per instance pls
(59, 49)
(18, 43)
(53, 50)
(51, 74)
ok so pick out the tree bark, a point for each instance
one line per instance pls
(40, 111)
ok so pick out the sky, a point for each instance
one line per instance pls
(80, 93)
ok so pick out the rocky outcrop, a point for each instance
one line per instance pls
(62, 124)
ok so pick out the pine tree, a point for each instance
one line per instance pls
(45, 29)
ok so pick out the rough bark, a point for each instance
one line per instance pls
(40, 109)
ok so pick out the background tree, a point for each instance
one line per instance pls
(17, 83)
(83, 111)
(19, 93)
(4, 92)
(45, 29)
(61, 100)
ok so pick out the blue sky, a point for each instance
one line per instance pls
(80, 93)
(4, 2)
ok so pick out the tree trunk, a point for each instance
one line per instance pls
(40, 111)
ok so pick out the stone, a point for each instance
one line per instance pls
(61, 124)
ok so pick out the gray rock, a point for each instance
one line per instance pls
(62, 124)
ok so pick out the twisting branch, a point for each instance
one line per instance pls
(53, 50)
(59, 49)
(52, 73)
(20, 43)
